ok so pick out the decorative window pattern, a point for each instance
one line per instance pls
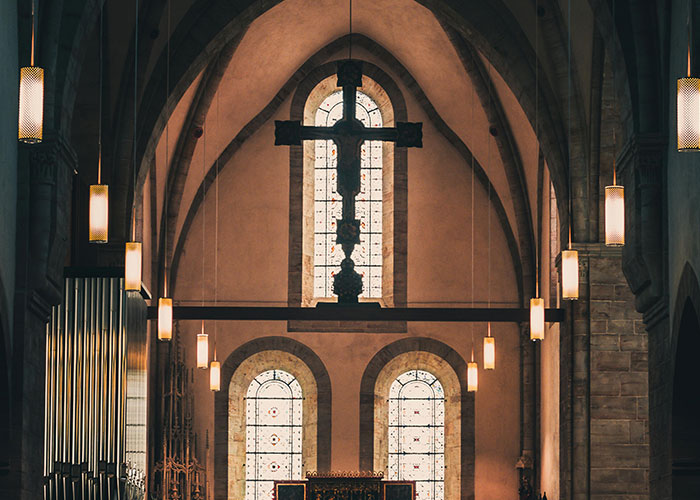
(273, 432)
(328, 205)
(417, 433)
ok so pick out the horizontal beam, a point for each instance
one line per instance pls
(355, 313)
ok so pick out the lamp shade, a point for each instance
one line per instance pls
(688, 114)
(132, 266)
(202, 350)
(569, 274)
(489, 353)
(31, 104)
(99, 213)
(614, 216)
(215, 376)
(537, 318)
(165, 318)
(472, 377)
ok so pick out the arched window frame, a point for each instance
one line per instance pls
(317, 85)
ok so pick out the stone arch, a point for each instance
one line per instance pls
(684, 406)
(431, 354)
(238, 365)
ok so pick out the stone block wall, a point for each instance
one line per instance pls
(619, 388)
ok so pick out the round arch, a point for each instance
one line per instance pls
(244, 357)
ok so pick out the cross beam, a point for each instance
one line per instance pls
(355, 313)
(348, 134)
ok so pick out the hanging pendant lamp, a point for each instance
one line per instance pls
(31, 99)
(202, 349)
(489, 350)
(132, 266)
(472, 376)
(215, 375)
(165, 319)
(614, 215)
(99, 213)
(537, 318)
(688, 106)
(569, 274)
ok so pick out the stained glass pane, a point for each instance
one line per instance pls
(273, 432)
(417, 433)
(328, 206)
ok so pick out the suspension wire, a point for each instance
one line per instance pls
(167, 164)
(614, 92)
(488, 176)
(99, 105)
(571, 195)
(31, 63)
(350, 31)
(204, 208)
(136, 69)
(472, 224)
(537, 141)
(216, 221)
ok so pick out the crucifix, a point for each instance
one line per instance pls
(348, 134)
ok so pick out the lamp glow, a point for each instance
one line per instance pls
(215, 376)
(614, 216)
(472, 376)
(489, 353)
(569, 274)
(537, 318)
(31, 104)
(165, 318)
(99, 213)
(202, 350)
(132, 266)
(688, 114)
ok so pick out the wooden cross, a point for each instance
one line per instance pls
(348, 133)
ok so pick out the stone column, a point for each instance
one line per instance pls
(43, 223)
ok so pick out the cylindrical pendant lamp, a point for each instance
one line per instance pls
(31, 104)
(472, 376)
(569, 274)
(132, 266)
(165, 318)
(99, 213)
(202, 350)
(489, 350)
(688, 114)
(614, 216)
(215, 376)
(537, 318)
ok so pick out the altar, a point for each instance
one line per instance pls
(345, 486)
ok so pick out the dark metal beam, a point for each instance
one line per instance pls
(354, 313)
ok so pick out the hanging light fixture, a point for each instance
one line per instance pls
(537, 318)
(688, 105)
(31, 99)
(472, 375)
(132, 266)
(133, 254)
(202, 349)
(99, 193)
(215, 375)
(165, 318)
(489, 350)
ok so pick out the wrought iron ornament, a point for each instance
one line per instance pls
(348, 133)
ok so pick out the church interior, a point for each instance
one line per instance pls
(349, 249)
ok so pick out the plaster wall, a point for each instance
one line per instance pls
(9, 79)
(252, 269)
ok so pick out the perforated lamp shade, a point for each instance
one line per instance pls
(489, 350)
(165, 318)
(202, 350)
(614, 216)
(688, 114)
(569, 274)
(537, 318)
(31, 104)
(132, 266)
(472, 377)
(99, 213)
(215, 376)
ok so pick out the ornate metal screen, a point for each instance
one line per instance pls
(328, 205)
(417, 433)
(273, 432)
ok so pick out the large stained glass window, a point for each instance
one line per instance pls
(273, 432)
(328, 206)
(417, 433)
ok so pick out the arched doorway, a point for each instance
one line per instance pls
(686, 409)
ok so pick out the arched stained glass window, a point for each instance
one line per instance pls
(417, 433)
(328, 206)
(273, 432)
